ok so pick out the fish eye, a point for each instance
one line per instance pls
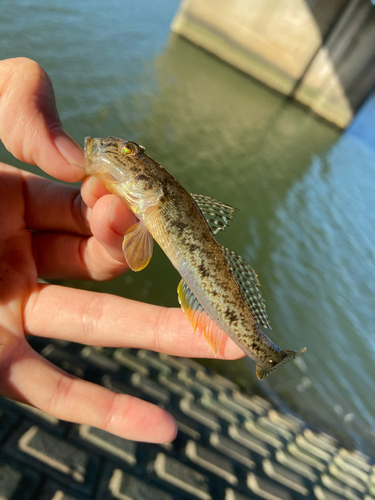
(131, 148)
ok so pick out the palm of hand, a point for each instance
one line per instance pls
(46, 230)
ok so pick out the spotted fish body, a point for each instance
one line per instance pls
(219, 290)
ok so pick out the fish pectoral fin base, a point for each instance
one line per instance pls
(288, 355)
(197, 316)
(137, 246)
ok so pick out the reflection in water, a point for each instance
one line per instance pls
(324, 250)
(306, 219)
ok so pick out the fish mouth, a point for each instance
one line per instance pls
(91, 147)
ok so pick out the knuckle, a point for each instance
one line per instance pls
(57, 404)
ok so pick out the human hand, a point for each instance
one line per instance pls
(47, 231)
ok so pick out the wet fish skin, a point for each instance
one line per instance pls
(209, 294)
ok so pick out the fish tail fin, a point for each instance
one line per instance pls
(288, 355)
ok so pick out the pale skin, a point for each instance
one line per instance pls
(52, 230)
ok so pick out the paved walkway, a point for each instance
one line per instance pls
(230, 446)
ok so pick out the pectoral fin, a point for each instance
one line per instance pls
(137, 247)
(198, 317)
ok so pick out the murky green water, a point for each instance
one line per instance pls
(305, 192)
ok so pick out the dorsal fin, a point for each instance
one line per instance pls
(198, 317)
(217, 213)
(248, 282)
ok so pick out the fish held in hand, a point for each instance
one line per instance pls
(219, 291)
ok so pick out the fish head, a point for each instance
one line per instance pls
(125, 169)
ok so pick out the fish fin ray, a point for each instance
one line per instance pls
(137, 246)
(217, 214)
(197, 316)
(248, 282)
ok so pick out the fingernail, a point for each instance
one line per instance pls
(69, 149)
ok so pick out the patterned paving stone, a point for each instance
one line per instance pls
(312, 449)
(324, 494)
(56, 457)
(95, 356)
(153, 389)
(120, 387)
(230, 446)
(114, 445)
(357, 459)
(262, 434)
(202, 416)
(235, 495)
(10, 480)
(225, 382)
(54, 491)
(16, 484)
(42, 415)
(65, 360)
(128, 360)
(296, 465)
(232, 449)
(285, 476)
(323, 441)
(187, 427)
(267, 424)
(8, 419)
(347, 478)
(193, 384)
(173, 362)
(191, 365)
(339, 488)
(254, 444)
(123, 486)
(55, 452)
(352, 469)
(60, 495)
(175, 386)
(217, 383)
(151, 359)
(218, 409)
(211, 461)
(14, 409)
(267, 489)
(287, 421)
(227, 401)
(306, 458)
(183, 477)
(251, 403)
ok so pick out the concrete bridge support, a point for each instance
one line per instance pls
(322, 53)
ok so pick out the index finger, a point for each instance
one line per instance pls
(30, 126)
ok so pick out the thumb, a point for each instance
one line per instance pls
(30, 126)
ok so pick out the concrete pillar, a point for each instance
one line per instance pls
(342, 73)
(319, 52)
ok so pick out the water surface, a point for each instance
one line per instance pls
(305, 192)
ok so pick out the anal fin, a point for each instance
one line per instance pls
(198, 317)
(137, 246)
